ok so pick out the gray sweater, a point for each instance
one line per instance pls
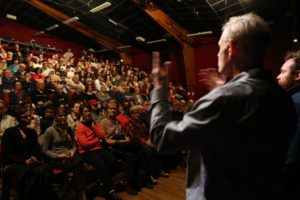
(57, 141)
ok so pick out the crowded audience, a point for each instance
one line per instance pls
(80, 109)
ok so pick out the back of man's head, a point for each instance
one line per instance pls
(251, 32)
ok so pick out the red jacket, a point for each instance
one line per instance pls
(88, 138)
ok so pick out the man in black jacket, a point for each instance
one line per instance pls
(289, 79)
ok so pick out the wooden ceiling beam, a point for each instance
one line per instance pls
(80, 27)
(167, 23)
(179, 33)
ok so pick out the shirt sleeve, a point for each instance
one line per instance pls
(46, 143)
(204, 119)
(86, 139)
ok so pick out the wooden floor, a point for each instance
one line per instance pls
(172, 188)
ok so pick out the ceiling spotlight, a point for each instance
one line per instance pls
(204, 33)
(70, 20)
(295, 40)
(140, 39)
(52, 27)
(100, 7)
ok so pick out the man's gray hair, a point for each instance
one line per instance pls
(251, 32)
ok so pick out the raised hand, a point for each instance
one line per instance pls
(210, 78)
(160, 73)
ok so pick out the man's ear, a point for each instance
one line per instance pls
(232, 48)
(297, 75)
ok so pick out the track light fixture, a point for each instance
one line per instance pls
(39, 33)
(156, 41)
(9, 16)
(100, 7)
(124, 47)
(113, 22)
(70, 20)
(204, 33)
(52, 27)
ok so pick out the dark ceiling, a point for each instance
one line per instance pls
(192, 15)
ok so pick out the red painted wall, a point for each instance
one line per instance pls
(206, 57)
(143, 60)
(25, 34)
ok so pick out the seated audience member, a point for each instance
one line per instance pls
(47, 120)
(145, 114)
(123, 116)
(45, 69)
(6, 120)
(29, 85)
(23, 168)
(54, 76)
(59, 147)
(18, 95)
(21, 73)
(135, 170)
(78, 95)
(89, 136)
(35, 122)
(7, 81)
(127, 94)
(49, 86)
(59, 97)
(137, 131)
(39, 97)
(138, 97)
(99, 82)
(90, 94)
(38, 74)
(116, 95)
(74, 82)
(14, 67)
(73, 119)
(97, 111)
(103, 96)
